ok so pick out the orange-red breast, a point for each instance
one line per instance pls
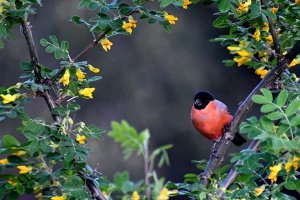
(210, 116)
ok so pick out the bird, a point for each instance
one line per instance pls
(210, 116)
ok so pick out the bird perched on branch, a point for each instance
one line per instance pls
(210, 117)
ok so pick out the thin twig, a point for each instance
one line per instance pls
(232, 175)
(91, 184)
(147, 171)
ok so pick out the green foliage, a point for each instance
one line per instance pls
(60, 51)
(131, 141)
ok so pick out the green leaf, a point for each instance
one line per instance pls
(268, 108)
(267, 124)
(83, 3)
(282, 98)
(32, 129)
(61, 111)
(76, 19)
(128, 137)
(165, 3)
(267, 93)
(120, 178)
(73, 107)
(295, 121)
(224, 5)
(9, 140)
(222, 22)
(94, 78)
(260, 99)
(275, 115)
(44, 42)
(292, 107)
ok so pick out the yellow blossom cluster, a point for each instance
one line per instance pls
(106, 44)
(86, 92)
(80, 139)
(170, 18)
(127, 26)
(292, 163)
(244, 55)
(164, 194)
(4, 161)
(294, 62)
(274, 10)
(186, 3)
(274, 171)
(8, 98)
(24, 169)
(262, 72)
(243, 7)
(58, 198)
(135, 196)
(258, 191)
(2, 4)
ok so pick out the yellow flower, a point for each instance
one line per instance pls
(24, 169)
(292, 163)
(243, 53)
(269, 39)
(293, 63)
(256, 35)
(4, 161)
(186, 3)
(262, 72)
(106, 44)
(80, 139)
(266, 27)
(135, 196)
(243, 7)
(274, 10)
(274, 171)
(80, 75)
(19, 153)
(65, 79)
(87, 92)
(233, 48)
(58, 198)
(288, 166)
(127, 26)
(297, 1)
(93, 69)
(132, 21)
(163, 195)
(12, 182)
(259, 190)
(296, 162)
(8, 98)
(242, 60)
(170, 18)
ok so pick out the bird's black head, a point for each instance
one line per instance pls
(201, 100)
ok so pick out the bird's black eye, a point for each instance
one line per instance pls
(199, 104)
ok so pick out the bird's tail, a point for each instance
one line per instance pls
(238, 140)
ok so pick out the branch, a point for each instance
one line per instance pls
(221, 147)
(36, 67)
(232, 175)
(91, 184)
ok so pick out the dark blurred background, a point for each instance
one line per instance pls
(149, 79)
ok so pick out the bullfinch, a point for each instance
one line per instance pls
(210, 116)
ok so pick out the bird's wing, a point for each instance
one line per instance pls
(221, 105)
